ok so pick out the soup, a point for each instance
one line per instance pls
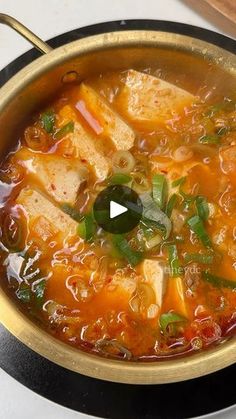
(167, 287)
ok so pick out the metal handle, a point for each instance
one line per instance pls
(25, 32)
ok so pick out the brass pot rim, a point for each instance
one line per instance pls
(178, 369)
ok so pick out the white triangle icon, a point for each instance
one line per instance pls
(116, 209)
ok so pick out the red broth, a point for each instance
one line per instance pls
(174, 290)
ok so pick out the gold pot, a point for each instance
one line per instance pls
(35, 84)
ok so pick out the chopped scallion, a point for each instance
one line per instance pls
(218, 281)
(48, 121)
(39, 290)
(179, 182)
(196, 225)
(86, 228)
(171, 204)
(170, 319)
(119, 179)
(202, 207)
(209, 139)
(159, 190)
(72, 212)
(66, 129)
(122, 245)
(153, 214)
(24, 293)
(199, 257)
(174, 260)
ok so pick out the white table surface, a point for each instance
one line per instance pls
(48, 18)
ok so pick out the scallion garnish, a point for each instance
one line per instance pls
(209, 139)
(202, 207)
(171, 204)
(119, 179)
(48, 121)
(122, 245)
(39, 290)
(159, 190)
(170, 319)
(218, 281)
(66, 129)
(86, 228)
(199, 257)
(72, 212)
(196, 225)
(174, 262)
(179, 182)
(24, 293)
(153, 214)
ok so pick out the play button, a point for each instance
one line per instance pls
(117, 209)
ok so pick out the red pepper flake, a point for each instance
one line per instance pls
(53, 186)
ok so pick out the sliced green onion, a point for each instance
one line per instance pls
(214, 109)
(123, 162)
(48, 121)
(169, 319)
(122, 245)
(39, 290)
(218, 281)
(202, 207)
(140, 183)
(24, 293)
(119, 179)
(153, 214)
(227, 105)
(72, 212)
(179, 182)
(159, 190)
(66, 129)
(196, 225)
(153, 241)
(12, 233)
(222, 131)
(199, 257)
(86, 228)
(171, 204)
(209, 139)
(174, 260)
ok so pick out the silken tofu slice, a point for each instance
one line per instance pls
(175, 299)
(36, 205)
(60, 177)
(85, 144)
(111, 124)
(148, 99)
(154, 275)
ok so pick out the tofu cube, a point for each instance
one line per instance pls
(112, 125)
(86, 145)
(148, 99)
(35, 204)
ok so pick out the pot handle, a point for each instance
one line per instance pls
(25, 32)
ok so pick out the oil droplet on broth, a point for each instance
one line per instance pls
(70, 77)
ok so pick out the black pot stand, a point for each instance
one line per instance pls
(100, 398)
